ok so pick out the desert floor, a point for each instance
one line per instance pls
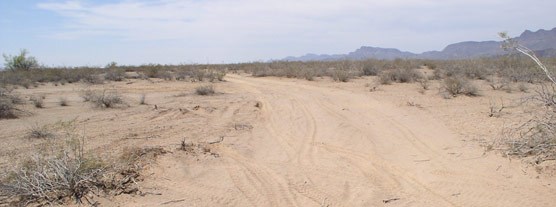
(287, 142)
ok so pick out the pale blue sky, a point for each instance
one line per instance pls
(72, 33)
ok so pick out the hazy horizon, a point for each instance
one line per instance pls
(132, 32)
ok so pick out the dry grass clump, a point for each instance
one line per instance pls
(455, 86)
(62, 171)
(39, 132)
(399, 76)
(205, 90)
(54, 174)
(534, 139)
(103, 99)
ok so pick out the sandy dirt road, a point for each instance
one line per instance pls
(322, 146)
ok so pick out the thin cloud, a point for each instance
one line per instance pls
(264, 29)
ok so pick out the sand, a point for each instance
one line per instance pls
(286, 142)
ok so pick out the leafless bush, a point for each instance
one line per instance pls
(103, 99)
(204, 90)
(38, 132)
(459, 85)
(55, 174)
(535, 138)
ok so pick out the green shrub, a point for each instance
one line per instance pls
(20, 62)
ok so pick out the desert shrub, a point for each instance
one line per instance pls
(371, 70)
(400, 76)
(204, 90)
(59, 172)
(38, 132)
(459, 85)
(92, 79)
(8, 102)
(87, 95)
(199, 75)
(108, 99)
(166, 75)
(115, 74)
(7, 109)
(498, 83)
(20, 62)
(307, 74)
(37, 101)
(103, 99)
(385, 78)
(424, 83)
(220, 75)
(341, 75)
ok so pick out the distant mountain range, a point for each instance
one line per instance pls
(543, 42)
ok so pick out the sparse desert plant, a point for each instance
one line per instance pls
(199, 75)
(87, 95)
(108, 99)
(7, 109)
(371, 70)
(114, 74)
(38, 101)
(459, 85)
(39, 132)
(424, 83)
(92, 79)
(220, 75)
(341, 75)
(385, 78)
(495, 110)
(103, 99)
(498, 83)
(55, 174)
(205, 90)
